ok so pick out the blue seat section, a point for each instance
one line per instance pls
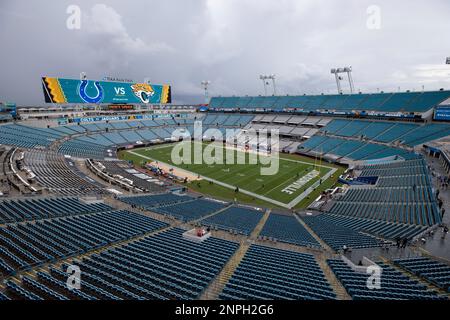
(376, 128)
(396, 132)
(432, 98)
(334, 126)
(65, 130)
(26, 137)
(89, 289)
(41, 289)
(399, 195)
(243, 120)
(20, 293)
(336, 236)
(399, 101)
(399, 181)
(329, 144)
(426, 133)
(162, 133)
(403, 194)
(57, 282)
(216, 102)
(131, 136)
(394, 284)
(288, 229)
(44, 208)
(226, 120)
(30, 244)
(273, 274)
(347, 147)
(433, 271)
(135, 124)
(104, 126)
(113, 138)
(120, 125)
(242, 220)
(313, 142)
(385, 102)
(162, 199)
(351, 149)
(408, 133)
(353, 129)
(146, 134)
(191, 210)
(83, 149)
(98, 138)
(366, 151)
(163, 266)
(91, 127)
(149, 123)
(388, 152)
(76, 128)
(4, 297)
(382, 229)
(425, 214)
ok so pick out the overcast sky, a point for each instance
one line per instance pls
(229, 42)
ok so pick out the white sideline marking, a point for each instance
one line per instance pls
(289, 205)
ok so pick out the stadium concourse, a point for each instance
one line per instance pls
(69, 202)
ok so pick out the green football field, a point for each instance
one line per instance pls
(289, 186)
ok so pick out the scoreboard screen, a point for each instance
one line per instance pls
(59, 90)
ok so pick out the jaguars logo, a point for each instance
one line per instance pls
(143, 91)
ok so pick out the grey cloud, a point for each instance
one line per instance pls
(229, 42)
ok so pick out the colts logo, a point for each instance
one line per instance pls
(86, 97)
(143, 91)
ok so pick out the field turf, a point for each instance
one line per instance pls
(245, 176)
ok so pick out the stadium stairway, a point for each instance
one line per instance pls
(254, 235)
(217, 285)
(414, 277)
(338, 288)
(315, 236)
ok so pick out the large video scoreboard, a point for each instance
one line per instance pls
(59, 90)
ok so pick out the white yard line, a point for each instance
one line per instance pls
(290, 205)
(260, 154)
(302, 196)
(226, 185)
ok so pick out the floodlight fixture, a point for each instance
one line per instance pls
(337, 71)
(264, 77)
(205, 84)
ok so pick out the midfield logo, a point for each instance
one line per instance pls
(258, 148)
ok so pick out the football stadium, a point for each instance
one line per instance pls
(111, 189)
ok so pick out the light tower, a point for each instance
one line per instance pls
(205, 84)
(337, 71)
(272, 76)
(268, 77)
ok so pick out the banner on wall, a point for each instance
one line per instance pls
(59, 90)
(442, 114)
(125, 117)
